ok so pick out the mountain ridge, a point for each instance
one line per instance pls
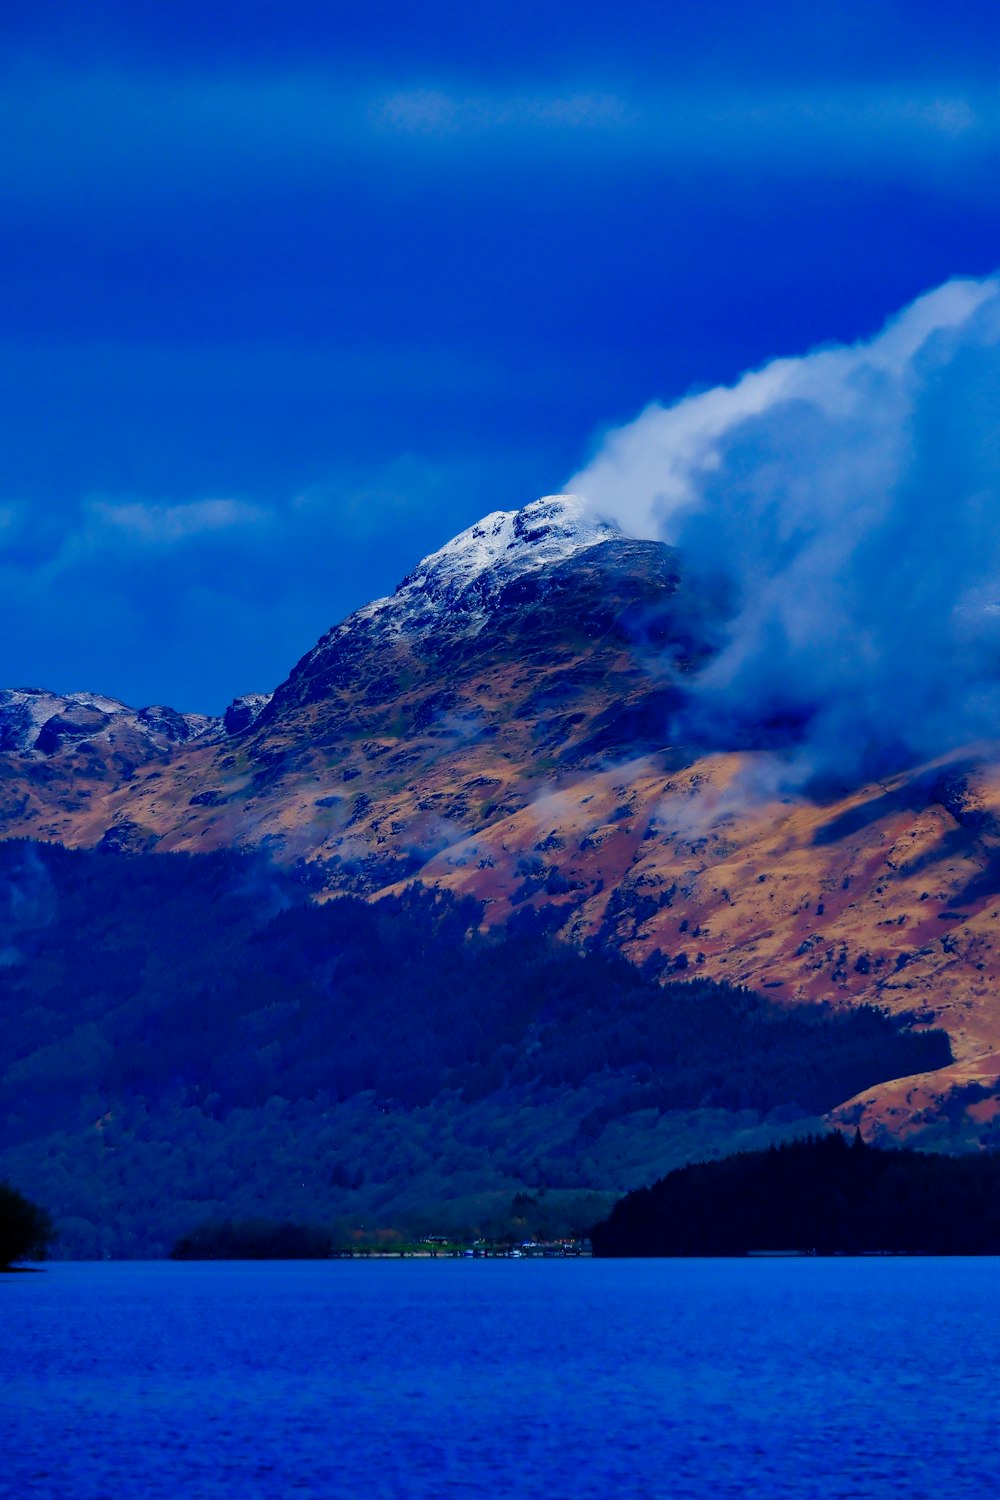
(507, 730)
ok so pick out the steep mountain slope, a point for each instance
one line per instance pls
(505, 725)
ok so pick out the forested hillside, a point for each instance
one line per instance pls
(185, 1035)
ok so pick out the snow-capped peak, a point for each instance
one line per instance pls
(518, 541)
(462, 576)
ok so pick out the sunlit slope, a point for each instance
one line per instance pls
(887, 895)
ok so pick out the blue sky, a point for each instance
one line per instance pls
(292, 292)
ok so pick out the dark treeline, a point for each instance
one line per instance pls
(820, 1194)
(259, 1239)
(154, 1006)
(26, 1231)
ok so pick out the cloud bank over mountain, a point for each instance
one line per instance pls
(844, 510)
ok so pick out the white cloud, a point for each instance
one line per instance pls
(846, 504)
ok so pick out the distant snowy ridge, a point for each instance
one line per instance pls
(36, 722)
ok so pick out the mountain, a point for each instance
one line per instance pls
(508, 725)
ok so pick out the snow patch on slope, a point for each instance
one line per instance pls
(458, 582)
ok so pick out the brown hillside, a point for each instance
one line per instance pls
(508, 738)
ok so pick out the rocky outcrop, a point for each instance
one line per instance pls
(245, 711)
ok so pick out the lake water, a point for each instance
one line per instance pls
(562, 1379)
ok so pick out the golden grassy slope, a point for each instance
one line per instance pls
(884, 896)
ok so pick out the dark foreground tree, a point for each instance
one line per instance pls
(25, 1229)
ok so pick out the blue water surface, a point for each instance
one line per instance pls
(760, 1378)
